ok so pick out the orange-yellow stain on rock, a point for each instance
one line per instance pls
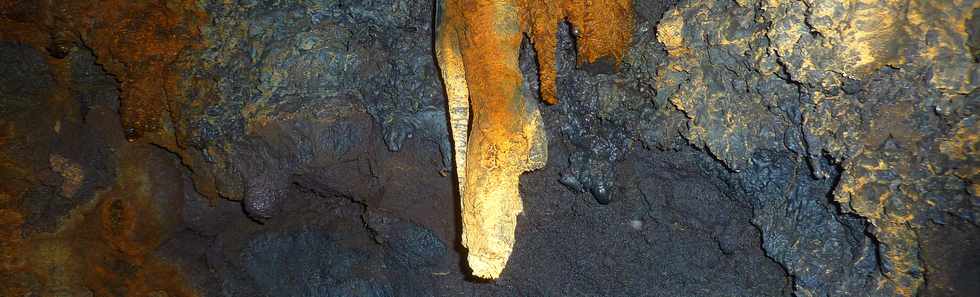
(604, 29)
(12, 265)
(145, 45)
(139, 42)
(106, 247)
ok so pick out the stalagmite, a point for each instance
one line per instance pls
(477, 45)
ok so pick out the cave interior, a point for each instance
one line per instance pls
(615, 148)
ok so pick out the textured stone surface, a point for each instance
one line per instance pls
(873, 87)
(744, 148)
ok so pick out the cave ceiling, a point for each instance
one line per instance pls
(563, 148)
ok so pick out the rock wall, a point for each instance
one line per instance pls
(300, 148)
(881, 89)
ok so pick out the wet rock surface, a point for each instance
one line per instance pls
(300, 148)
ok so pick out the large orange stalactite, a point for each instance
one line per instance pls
(497, 134)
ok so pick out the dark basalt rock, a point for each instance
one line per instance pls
(410, 245)
(307, 263)
(66, 148)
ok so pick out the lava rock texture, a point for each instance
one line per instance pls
(300, 148)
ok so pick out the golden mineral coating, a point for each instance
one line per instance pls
(477, 45)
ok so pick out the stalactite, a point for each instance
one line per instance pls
(478, 45)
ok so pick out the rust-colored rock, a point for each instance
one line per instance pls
(603, 29)
(106, 247)
(140, 42)
(103, 247)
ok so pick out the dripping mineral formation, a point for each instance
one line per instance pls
(497, 134)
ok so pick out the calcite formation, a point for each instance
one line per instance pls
(497, 134)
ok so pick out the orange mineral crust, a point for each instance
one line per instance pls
(142, 43)
(497, 134)
(603, 29)
(105, 247)
(148, 46)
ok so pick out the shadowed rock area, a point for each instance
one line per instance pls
(301, 148)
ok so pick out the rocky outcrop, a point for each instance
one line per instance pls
(871, 86)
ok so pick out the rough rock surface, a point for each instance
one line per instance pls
(874, 87)
(744, 148)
